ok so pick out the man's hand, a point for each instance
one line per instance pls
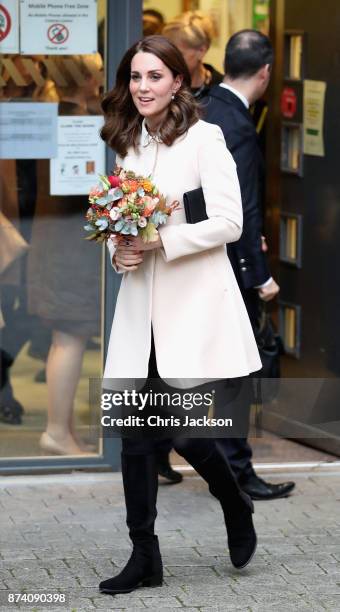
(269, 292)
(264, 245)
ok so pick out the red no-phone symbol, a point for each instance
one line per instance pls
(57, 33)
(5, 22)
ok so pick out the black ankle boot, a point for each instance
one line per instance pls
(236, 505)
(144, 569)
(242, 539)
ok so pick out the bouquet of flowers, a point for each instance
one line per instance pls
(125, 204)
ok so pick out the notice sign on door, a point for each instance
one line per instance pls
(58, 28)
(81, 155)
(9, 30)
(313, 117)
(28, 130)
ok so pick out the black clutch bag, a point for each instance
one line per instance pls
(194, 206)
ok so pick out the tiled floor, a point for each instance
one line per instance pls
(63, 534)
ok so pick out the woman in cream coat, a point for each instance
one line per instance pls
(186, 289)
(180, 287)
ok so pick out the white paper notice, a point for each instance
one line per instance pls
(58, 28)
(9, 26)
(313, 116)
(28, 130)
(81, 155)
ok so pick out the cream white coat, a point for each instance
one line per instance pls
(186, 290)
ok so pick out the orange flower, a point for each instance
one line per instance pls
(125, 186)
(147, 185)
(133, 185)
(147, 212)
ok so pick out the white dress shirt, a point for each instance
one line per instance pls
(236, 93)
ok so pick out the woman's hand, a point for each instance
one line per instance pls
(126, 258)
(135, 243)
(129, 253)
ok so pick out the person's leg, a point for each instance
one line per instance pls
(208, 461)
(239, 453)
(12, 338)
(18, 322)
(63, 370)
(10, 409)
(164, 467)
(237, 449)
(140, 480)
(162, 447)
(87, 447)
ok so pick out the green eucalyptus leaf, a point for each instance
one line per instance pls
(149, 233)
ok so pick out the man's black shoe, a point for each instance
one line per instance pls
(164, 469)
(258, 489)
(11, 412)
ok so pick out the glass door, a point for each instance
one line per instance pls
(51, 277)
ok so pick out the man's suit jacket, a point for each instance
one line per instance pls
(225, 109)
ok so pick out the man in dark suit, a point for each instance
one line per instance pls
(247, 64)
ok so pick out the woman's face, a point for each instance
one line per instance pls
(152, 86)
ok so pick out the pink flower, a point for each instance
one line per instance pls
(115, 214)
(114, 180)
(122, 202)
(149, 206)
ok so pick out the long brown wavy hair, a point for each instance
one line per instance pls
(122, 125)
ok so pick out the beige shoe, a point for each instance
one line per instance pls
(87, 447)
(50, 447)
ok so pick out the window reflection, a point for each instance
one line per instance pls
(50, 286)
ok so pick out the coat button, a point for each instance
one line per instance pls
(244, 269)
(242, 261)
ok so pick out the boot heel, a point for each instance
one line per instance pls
(154, 581)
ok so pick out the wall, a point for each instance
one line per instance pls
(230, 16)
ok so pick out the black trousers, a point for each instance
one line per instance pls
(140, 478)
(230, 394)
(150, 446)
(238, 450)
